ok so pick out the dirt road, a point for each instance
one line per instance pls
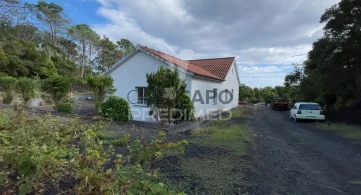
(298, 158)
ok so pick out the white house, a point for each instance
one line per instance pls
(205, 79)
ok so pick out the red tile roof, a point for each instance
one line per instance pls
(216, 68)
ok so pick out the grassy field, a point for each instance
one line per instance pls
(215, 159)
(356, 182)
(348, 131)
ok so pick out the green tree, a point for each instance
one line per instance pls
(257, 93)
(282, 91)
(108, 54)
(245, 92)
(58, 87)
(52, 18)
(126, 46)
(267, 94)
(333, 68)
(86, 38)
(101, 87)
(295, 78)
(27, 32)
(11, 11)
(165, 91)
(8, 84)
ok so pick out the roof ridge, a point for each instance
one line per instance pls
(162, 53)
(185, 61)
(212, 58)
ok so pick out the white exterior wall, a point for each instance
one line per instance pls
(132, 74)
(231, 83)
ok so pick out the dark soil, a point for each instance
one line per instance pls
(182, 180)
(297, 158)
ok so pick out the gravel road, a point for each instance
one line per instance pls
(298, 158)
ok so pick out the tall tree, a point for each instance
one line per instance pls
(268, 93)
(27, 32)
(333, 68)
(245, 92)
(126, 46)
(11, 11)
(52, 19)
(257, 93)
(108, 54)
(86, 37)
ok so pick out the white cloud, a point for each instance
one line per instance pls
(256, 32)
(274, 55)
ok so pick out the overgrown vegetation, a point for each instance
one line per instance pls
(166, 92)
(58, 87)
(64, 107)
(8, 84)
(225, 136)
(348, 131)
(332, 73)
(101, 87)
(214, 162)
(38, 40)
(27, 88)
(185, 108)
(116, 108)
(37, 153)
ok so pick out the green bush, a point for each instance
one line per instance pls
(65, 107)
(101, 86)
(8, 84)
(185, 109)
(27, 88)
(58, 87)
(38, 152)
(116, 108)
(254, 100)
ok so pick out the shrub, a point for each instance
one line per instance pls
(27, 88)
(165, 91)
(65, 107)
(39, 152)
(101, 86)
(8, 84)
(116, 108)
(58, 87)
(186, 109)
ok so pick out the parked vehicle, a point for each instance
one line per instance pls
(280, 103)
(243, 102)
(307, 111)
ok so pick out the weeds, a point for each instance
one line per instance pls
(225, 136)
(217, 165)
(348, 131)
(38, 152)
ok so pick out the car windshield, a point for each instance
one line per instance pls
(310, 107)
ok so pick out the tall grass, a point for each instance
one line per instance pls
(222, 135)
(348, 131)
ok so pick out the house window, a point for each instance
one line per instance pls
(142, 95)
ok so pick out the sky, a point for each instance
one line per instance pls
(266, 37)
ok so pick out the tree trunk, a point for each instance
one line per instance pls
(83, 61)
(90, 58)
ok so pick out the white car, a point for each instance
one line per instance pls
(307, 111)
